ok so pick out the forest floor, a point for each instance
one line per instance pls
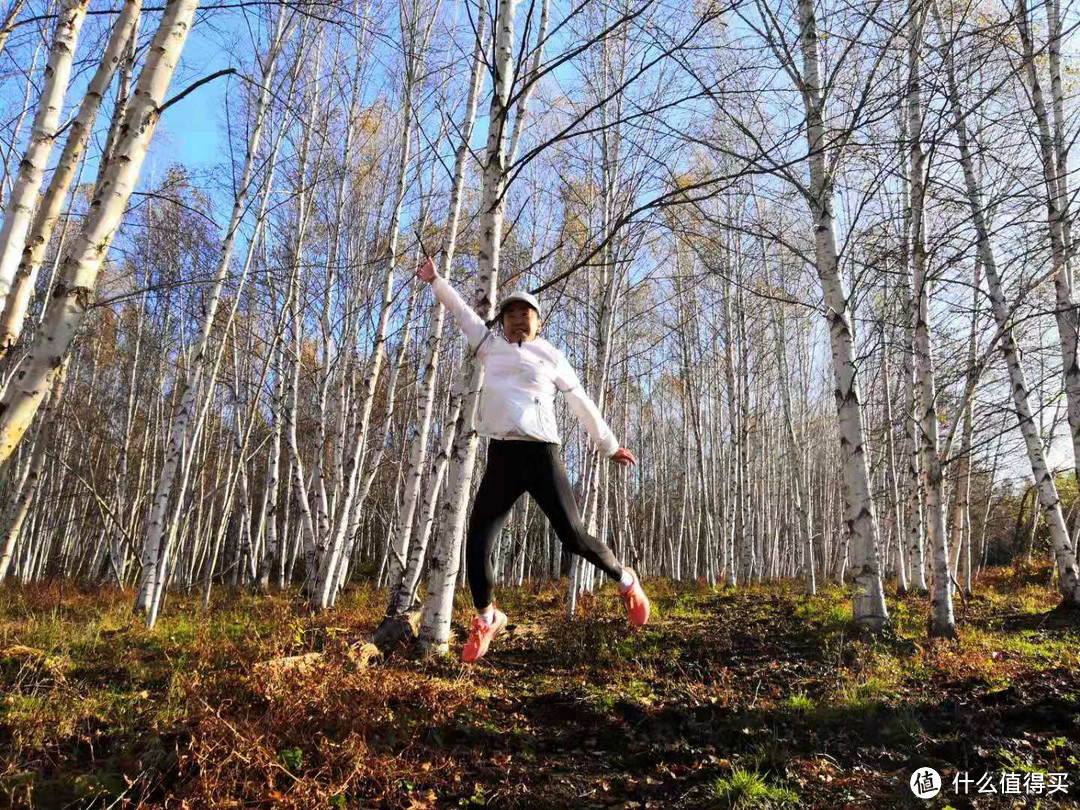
(757, 697)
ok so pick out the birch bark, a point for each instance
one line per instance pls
(804, 531)
(1064, 551)
(19, 506)
(84, 257)
(402, 588)
(445, 561)
(942, 622)
(24, 191)
(1067, 313)
(48, 212)
(912, 486)
(192, 383)
(331, 548)
(869, 607)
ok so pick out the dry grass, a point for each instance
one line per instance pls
(764, 685)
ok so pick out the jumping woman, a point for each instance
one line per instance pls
(522, 372)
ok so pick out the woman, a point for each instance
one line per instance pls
(522, 372)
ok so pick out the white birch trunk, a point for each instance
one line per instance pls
(435, 625)
(961, 528)
(48, 213)
(912, 545)
(893, 478)
(869, 605)
(268, 512)
(9, 22)
(192, 383)
(330, 548)
(735, 519)
(1066, 314)
(9, 153)
(24, 191)
(402, 587)
(1064, 551)
(406, 594)
(19, 507)
(942, 623)
(804, 531)
(1061, 145)
(84, 257)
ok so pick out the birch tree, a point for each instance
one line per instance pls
(84, 257)
(24, 191)
(403, 584)
(870, 610)
(187, 409)
(942, 622)
(1064, 550)
(49, 208)
(446, 556)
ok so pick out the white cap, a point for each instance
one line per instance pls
(519, 295)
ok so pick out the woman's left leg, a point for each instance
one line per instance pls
(548, 484)
(550, 488)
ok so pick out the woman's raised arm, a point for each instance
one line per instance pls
(471, 323)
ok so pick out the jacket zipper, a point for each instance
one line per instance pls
(536, 401)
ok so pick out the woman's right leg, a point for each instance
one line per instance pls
(500, 487)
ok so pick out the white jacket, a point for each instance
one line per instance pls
(520, 381)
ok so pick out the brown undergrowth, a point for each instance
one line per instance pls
(757, 697)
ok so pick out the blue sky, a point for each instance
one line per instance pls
(194, 127)
(193, 132)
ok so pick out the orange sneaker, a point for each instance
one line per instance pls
(481, 635)
(636, 602)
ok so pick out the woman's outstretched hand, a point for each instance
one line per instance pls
(425, 271)
(623, 456)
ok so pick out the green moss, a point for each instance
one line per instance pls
(825, 611)
(799, 702)
(749, 789)
(292, 758)
(868, 693)
(1017, 764)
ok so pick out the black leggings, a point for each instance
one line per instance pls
(515, 467)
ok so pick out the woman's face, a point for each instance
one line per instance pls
(520, 322)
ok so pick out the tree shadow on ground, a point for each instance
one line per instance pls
(561, 708)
